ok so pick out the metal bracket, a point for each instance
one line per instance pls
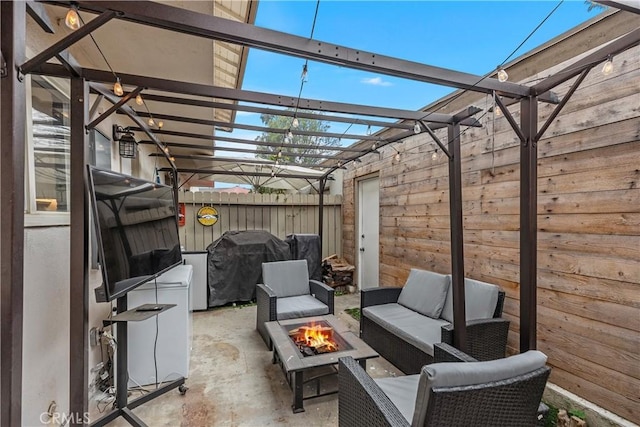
(3, 66)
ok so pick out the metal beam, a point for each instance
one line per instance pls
(250, 141)
(69, 40)
(40, 16)
(12, 143)
(243, 173)
(188, 88)
(628, 5)
(79, 254)
(457, 239)
(212, 27)
(276, 112)
(115, 107)
(528, 224)
(238, 160)
(619, 45)
(242, 150)
(256, 128)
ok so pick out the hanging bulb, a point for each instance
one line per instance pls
(339, 164)
(416, 128)
(295, 123)
(166, 150)
(117, 87)
(151, 121)
(434, 156)
(139, 100)
(303, 76)
(273, 174)
(290, 134)
(374, 146)
(173, 159)
(160, 124)
(72, 20)
(502, 75)
(280, 154)
(397, 156)
(497, 111)
(607, 67)
(277, 162)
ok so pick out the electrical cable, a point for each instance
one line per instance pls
(155, 342)
(99, 50)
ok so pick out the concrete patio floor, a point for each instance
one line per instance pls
(232, 381)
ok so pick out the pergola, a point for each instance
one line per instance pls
(85, 81)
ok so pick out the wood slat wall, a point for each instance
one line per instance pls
(279, 214)
(588, 227)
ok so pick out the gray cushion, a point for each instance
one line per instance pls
(299, 306)
(480, 300)
(420, 331)
(425, 292)
(402, 392)
(286, 278)
(471, 373)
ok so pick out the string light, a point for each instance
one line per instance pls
(117, 87)
(434, 156)
(139, 100)
(417, 128)
(166, 150)
(295, 123)
(151, 121)
(173, 159)
(502, 75)
(607, 67)
(279, 154)
(397, 156)
(160, 124)
(290, 134)
(305, 71)
(497, 111)
(72, 20)
(373, 146)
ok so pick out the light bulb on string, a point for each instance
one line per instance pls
(139, 100)
(277, 162)
(290, 135)
(502, 75)
(166, 150)
(417, 128)
(303, 75)
(339, 164)
(279, 154)
(151, 122)
(498, 111)
(295, 123)
(273, 174)
(117, 87)
(160, 124)
(607, 67)
(434, 156)
(173, 159)
(397, 156)
(72, 19)
(374, 146)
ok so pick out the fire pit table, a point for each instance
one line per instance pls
(305, 344)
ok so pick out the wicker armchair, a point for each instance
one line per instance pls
(495, 393)
(287, 293)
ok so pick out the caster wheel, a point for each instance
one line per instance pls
(183, 389)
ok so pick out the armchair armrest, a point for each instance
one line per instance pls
(322, 292)
(377, 296)
(266, 310)
(361, 402)
(486, 338)
(443, 352)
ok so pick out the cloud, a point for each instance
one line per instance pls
(376, 81)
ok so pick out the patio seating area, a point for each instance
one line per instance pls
(233, 381)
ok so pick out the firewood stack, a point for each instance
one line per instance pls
(337, 272)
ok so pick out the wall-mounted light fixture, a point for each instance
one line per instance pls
(127, 144)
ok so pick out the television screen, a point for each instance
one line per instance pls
(137, 230)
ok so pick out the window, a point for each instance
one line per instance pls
(48, 151)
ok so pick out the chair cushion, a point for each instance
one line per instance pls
(425, 292)
(460, 374)
(299, 306)
(480, 300)
(402, 392)
(420, 331)
(286, 278)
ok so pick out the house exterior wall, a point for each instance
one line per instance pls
(588, 270)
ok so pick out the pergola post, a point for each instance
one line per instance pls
(79, 255)
(321, 210)
(528, 223)
(457, 238)
(12, 138)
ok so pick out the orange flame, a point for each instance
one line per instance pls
(316, 336)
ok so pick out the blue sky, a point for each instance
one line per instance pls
(469, 36)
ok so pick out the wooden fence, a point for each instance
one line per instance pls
(279, 214)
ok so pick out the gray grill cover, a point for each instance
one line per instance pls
(307, 246)
(235, 264)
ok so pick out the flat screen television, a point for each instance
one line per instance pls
(137, 230)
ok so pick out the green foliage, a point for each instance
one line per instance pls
(267, 190)
(353, 312)
(310, 142)
(577, 413)
(552, 417)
